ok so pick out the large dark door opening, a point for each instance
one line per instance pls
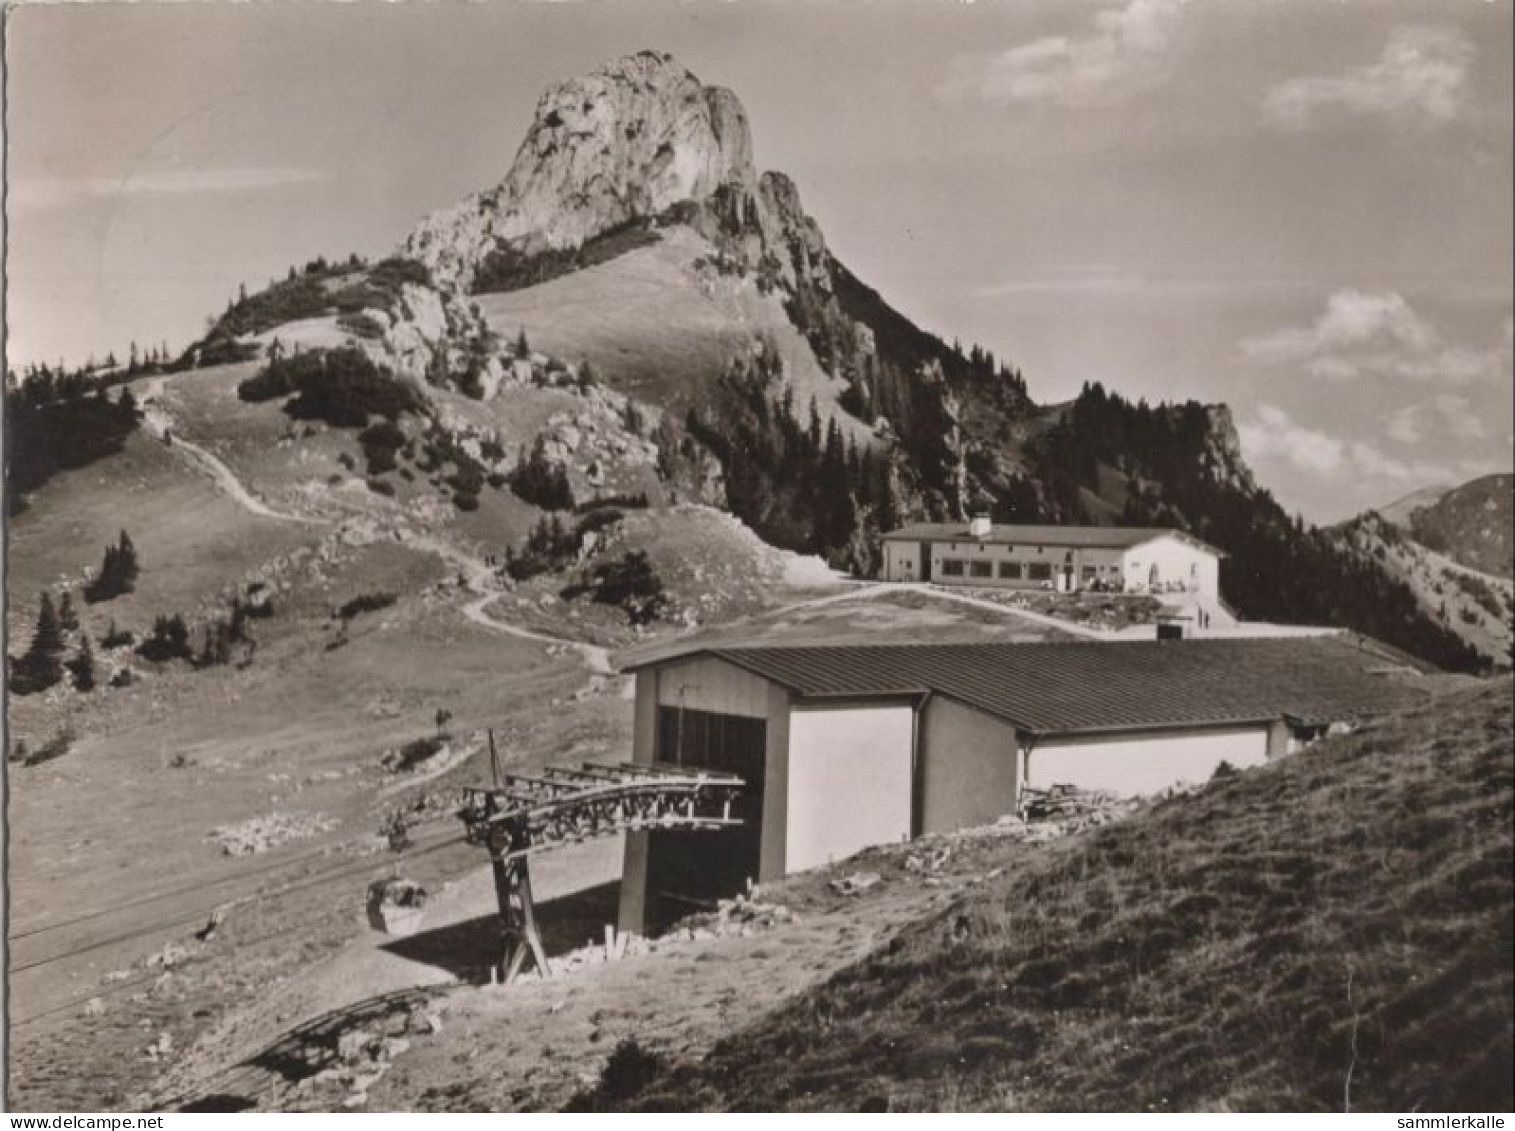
(688, 871)
(925, 561)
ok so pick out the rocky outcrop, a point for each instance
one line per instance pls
(790, 232)
(416, 330)
(623, 143)
(1223, 457)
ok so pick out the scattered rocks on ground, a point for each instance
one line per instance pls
(855, 884)
(929, 861)
(259, 834)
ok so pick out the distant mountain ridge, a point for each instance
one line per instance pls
(1450, 546)
(1471, 524)
(1398, 512)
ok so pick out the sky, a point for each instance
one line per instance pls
(1301, 208)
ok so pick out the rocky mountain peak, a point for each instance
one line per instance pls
(624, 142)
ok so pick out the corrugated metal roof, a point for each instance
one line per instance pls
(1056, 688)
(1016, 534)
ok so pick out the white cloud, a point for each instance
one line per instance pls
(1422, 74)
(1273, 437)
(1351, 318)
(1371, 462)
(1448, 416)
(1364, 334)
(1123, 54)
(45, 192)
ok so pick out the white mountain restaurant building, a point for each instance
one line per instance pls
(842, 747)
(1064, 558)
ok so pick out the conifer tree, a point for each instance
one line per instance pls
(41, 667)
(83, 666)
(67, 617)
(128, 561)
(47, 638)
(118, 572)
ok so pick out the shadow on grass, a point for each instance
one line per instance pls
(468, 949)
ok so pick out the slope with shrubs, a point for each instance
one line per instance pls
(1478, 607)
(1332, 931)
(1470, 524)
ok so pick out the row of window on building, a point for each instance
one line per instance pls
(1015, 571)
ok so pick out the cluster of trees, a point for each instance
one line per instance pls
(630, 583)
(912, 378)
(1278, 568)
(224, 634)
(365, 603)
(308, 293)
(41, 665)
(908, 349)
(170, 638)
(57, 420)
(118, 572)
(540, 481)
(551, 545)
(342, 387)
(554, 544)
(468, 475)
(907, 387)
(44, 665)
(381, 442)
(506, 269)
(1483, 593)
(798, 484)
(95, 373)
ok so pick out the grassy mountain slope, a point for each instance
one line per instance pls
(660, 322)
(289, 735)
(193, 542)
(1471, 524)
(1398, 512)
(1330, 931)
(1478, 607)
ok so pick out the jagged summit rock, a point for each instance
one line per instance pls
(625, 142)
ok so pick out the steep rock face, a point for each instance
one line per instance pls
(419, 328)
(625, 142)
(790, 233)
(1223, 455)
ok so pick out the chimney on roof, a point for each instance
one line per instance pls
(979, 526)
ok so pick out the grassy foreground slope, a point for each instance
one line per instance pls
(1333, 930)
